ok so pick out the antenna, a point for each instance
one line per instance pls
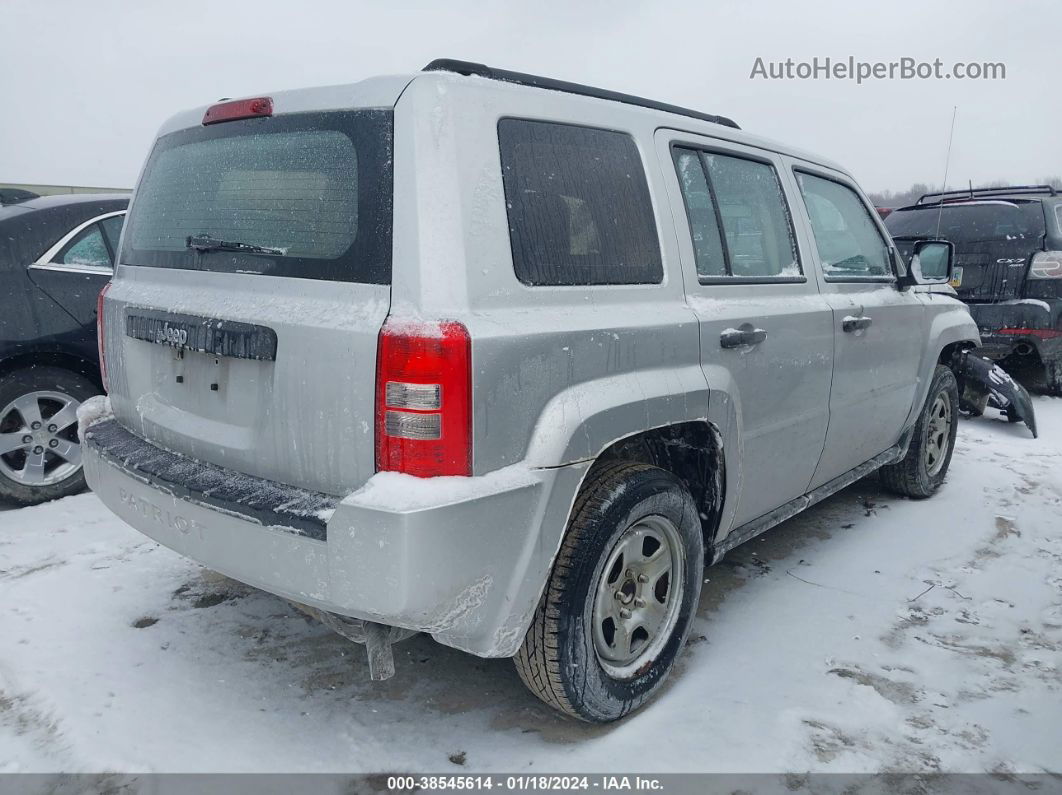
(947, 163)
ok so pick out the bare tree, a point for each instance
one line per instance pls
(902, 198)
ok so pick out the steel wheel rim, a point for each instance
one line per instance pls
(38, 438)
(938, 434)
(638, 596)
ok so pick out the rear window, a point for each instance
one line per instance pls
(315, 188)
(578, 205)
(971, 223)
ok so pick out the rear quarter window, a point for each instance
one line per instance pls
(578, 205)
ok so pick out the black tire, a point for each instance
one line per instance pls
(557, 660)
(913, 476)
(1053, 377)
(42, 379)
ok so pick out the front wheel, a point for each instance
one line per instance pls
(40, 453)
(920, 473)
(622, 596)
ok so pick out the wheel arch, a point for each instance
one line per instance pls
(679, 419)
(950, 329)
(693, 452)
(582, 421)
(60, 359)
(667, 417)
(950, 351)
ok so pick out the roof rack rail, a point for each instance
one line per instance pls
(489, 72)
(939, 197)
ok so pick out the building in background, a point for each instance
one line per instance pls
(50, 190)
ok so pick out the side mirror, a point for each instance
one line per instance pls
(931, 263)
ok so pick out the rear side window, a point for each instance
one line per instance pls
(849, 242)
(578, 206)
(702, 214)
(112, 230)
(313, 188)
(744, 199)
(87, 249)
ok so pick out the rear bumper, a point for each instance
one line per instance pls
(465, 565)
(1015, 327)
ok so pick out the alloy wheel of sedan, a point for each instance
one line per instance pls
(39, 445)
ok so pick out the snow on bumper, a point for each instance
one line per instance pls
(463, 561)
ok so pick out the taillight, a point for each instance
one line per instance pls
(99, 336)
(1046, 265)
(424, 399)
(238, 109)
(1039, 333)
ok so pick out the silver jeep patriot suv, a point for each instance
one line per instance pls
(505, 360)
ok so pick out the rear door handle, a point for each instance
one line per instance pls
(851, 324)
(746, 335)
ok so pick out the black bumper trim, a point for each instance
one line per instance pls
(265, 502)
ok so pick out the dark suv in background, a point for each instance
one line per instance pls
(1008, 269)
(56, 253)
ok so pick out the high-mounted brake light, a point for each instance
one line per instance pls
(99, 336)
(238, 109)
(424, 399)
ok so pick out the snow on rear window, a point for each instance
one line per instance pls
(294, 191)
(314, 189)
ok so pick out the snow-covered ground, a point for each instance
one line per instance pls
(871, 633)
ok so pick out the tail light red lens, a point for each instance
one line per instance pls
(100, 336)
(1040, 333)
(238, 109)
(424, 399)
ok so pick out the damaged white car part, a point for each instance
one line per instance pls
(505, 360)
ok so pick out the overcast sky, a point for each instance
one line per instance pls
(86, 83)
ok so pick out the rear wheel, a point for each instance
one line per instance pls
(622, 596)
(40, 453)
(1053, 377)
(920, 473)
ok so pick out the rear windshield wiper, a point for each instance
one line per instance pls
(208, 243)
